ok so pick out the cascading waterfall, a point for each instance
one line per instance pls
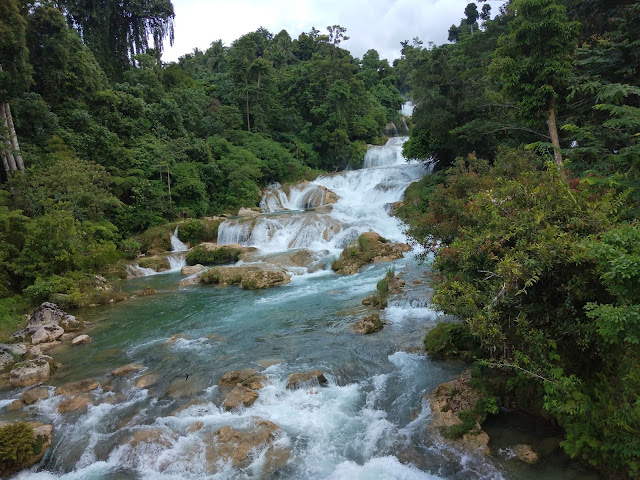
(362, 198)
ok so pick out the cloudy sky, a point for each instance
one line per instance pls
(379, 24)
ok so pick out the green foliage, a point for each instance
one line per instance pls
(203, 256)
(468, 419)
(16, 445)
(449, 340)
(129, 248)
(158, 264)
(12, 318)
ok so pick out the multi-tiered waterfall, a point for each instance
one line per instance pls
(303, 220)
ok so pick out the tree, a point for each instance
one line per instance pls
(471, 12)
(534, 60)
(454, 34)
(486, 12)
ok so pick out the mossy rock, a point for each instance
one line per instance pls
(220, 256)
(155, 263)
(369, 324)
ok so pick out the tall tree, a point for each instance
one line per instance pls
(116, 31)
(534, 60)
(471, 12)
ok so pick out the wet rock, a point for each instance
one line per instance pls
(127, 369)
(195, 427)
(233, 377)
(76, 388)
(185, 387)
(68, 336)
(30, 372)
(34, 394)
(249, 277)
(450, 400)
(306, 379)
(240, 396)
(15, 405)
(241, 447)
(154, 436)
(45, 334)
(369, 324)
(526, 454)
(368, 248)
(74, 404)
(42, 438)
(147, 380)
(147, 292)
(157, 263)
(71, 324)
(189, 281)
(194, 402)
(81, 339)
(191, 270)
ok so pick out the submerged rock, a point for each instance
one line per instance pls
(81, 339)
(526, 454)
(76, 388)
(306, 379)
(241, 447)
(191, 270)
(368, 248)
(147, 380)
(127, 369)
(234, 377)
(74, 404)
(249, 277)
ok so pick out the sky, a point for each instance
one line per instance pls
(378, 24)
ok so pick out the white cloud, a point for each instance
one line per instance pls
(378, 24)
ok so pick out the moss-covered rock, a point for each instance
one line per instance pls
(249, 277)
(369, 324)
(368, 248)
(22, 445)
(156, 263)
(210, 254)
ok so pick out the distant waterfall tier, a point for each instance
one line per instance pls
(362, 198)
(386, 155)
(302, 196)
(176, 244)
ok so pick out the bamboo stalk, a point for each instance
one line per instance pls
(14, 138)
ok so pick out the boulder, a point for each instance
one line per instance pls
(30, 372)
(248, 212)
(368, 248)
(249, 277)
(187, 282)
(45, 334)
(185, 387)
(191, 270)
(313, 378)
(76, 388)
(153, 436)
(71, 324)
(34, 394)
(73, 404)
(369, 324)
(526, 454)
(447, 401)
(145, 292)
(157, 263)
(241, 447)
(147, 380)
(46, 314)
(240, 396)
(80, 339)
(6, 361)
(15, 349)
(233, 377)
(42, 438)
(45, 347)
(127, 369)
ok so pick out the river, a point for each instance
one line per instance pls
(368, 422)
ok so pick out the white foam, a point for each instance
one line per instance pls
(381, 468)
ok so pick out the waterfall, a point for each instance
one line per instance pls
(363, 196)
(176, 244)
(407, 109)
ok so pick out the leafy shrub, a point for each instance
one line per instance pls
(16, 445)
(448, 340)
(468, 419)
(130, 248)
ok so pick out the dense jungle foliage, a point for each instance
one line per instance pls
(536, 239)
(116, 142)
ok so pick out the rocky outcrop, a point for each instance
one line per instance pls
(454, 419)
(34, 394)
(157, 263)
(233, 377)
(191, 270)
(368, 248)
(248, 212)
(249, 277)
(47, 324)
(240, 396)
(42, 435)
(369, 324)
(30, 372)
(241, 447)
(313, 378)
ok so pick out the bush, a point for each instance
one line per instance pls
(448, 340)
(194, 231)
(130, 248)
(16, 445)
(201, 255)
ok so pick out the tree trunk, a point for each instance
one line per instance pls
(13, 136)
(247, 109)
(7, 142)
(553, 131)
